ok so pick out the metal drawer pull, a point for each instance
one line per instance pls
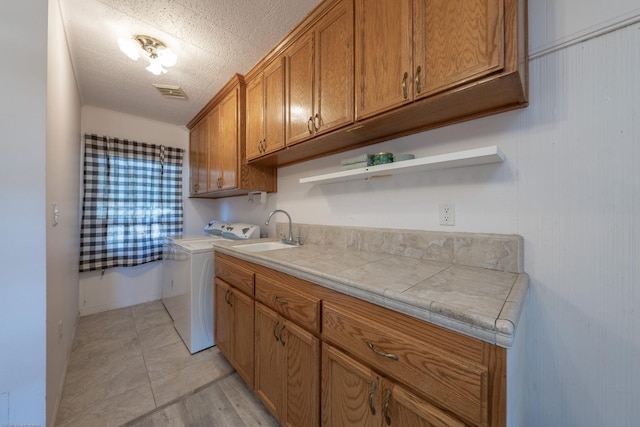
(374, 385)
(281, 301)
(281, 331)
(418, 86)
(227, 296)
(387, 398)
(275, 327)
(404, 85)
(381, 353)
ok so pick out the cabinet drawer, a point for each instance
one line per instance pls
(235, 275)
(296, 305)
(454, 383)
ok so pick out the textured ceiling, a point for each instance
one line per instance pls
(213, 40)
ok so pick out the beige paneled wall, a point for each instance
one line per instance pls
(23, 139)
(63, 170)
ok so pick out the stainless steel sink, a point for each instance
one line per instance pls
(263, 246)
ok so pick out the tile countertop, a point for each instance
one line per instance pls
(399, 269)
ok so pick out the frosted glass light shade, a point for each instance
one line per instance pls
(166, 56)
(155, 67)
(130, 47)
(159, 55)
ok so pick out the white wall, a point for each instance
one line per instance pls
(556, 24)
(570, 186)
(23, 49)
(121, 287)
(63, 170)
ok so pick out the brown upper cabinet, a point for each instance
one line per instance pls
(320, 76)
(411, 49)
(226, 144)
(358, 72)
(218, 166)
(265, 111)
(199, 157)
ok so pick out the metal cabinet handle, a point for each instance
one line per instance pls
(316, 122)
(381, 353)
(275, 327)
(281, 301)
(387, 398)
(280, 334)
(260, 146)
(310, 125)
(418, 86)
(227, 297)
(404, 85)
(372, 408)
(196, 187)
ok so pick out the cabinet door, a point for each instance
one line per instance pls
(383, 55)
(334, 68)
(228, 145)
(223, 319)
(255, 117)
(198, 157)
(381, 339)
(455, 41)
(350, 392)
(300, 115)
(214, 147)
(270, 358)
(243, 335)
(274, 104)
(302, 377)
(194, 185)
(401, 408)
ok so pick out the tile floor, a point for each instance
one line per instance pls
(228, 402)
(127, 362)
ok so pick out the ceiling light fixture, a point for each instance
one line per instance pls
(160, 55)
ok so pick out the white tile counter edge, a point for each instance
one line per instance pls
(501, 332)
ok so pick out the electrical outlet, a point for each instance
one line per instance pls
(447, 214)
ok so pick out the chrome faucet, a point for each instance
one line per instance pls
(290, 240)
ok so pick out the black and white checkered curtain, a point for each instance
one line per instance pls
(132, 199)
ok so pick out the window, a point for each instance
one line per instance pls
(132, 200)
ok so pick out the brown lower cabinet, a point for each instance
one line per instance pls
(318, 357)
(233, 328)
(356, 396)
(287, 369)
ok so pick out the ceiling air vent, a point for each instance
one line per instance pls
(171, 91)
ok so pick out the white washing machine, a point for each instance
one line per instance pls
(188, 273)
